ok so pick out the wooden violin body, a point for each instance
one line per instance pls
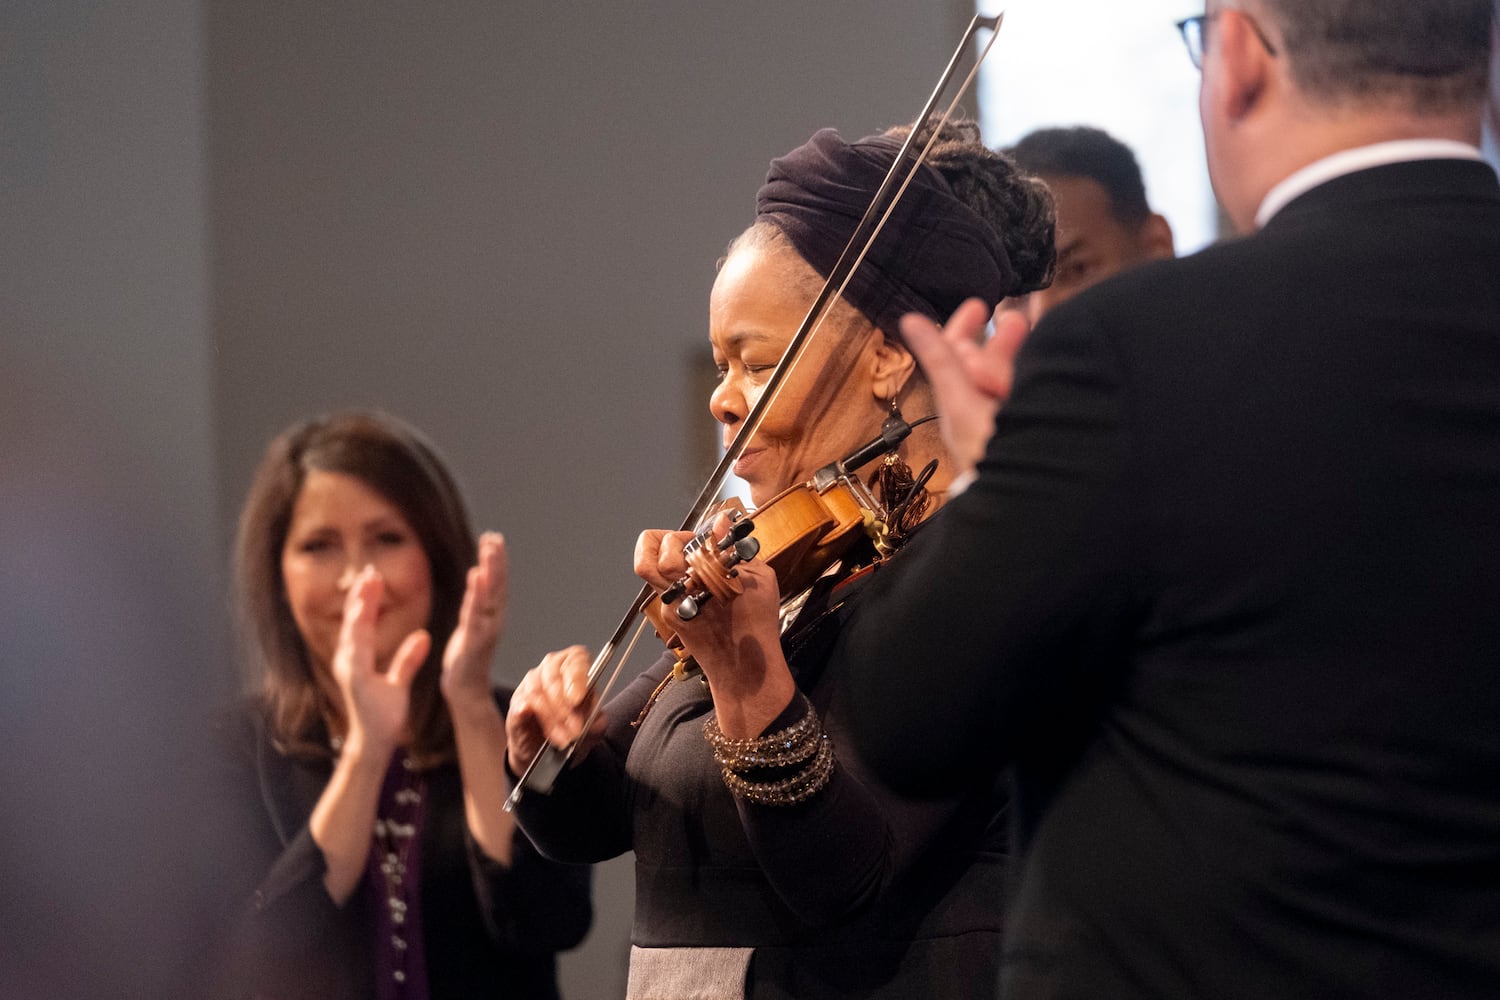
(800, 533)
(804, 530)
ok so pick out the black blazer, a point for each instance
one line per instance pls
(1227, 595)
(488, 930)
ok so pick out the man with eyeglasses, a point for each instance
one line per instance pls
(1225, 589)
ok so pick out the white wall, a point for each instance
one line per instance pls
(1117, 66)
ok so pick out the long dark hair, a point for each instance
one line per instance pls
(397, 462)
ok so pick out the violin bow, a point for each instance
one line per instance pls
(542, 772)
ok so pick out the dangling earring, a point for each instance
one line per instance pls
(904, 496)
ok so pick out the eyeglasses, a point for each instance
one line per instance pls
(1194, 31)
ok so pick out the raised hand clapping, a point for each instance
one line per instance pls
(376, 702)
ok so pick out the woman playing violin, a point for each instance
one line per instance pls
(769, 863)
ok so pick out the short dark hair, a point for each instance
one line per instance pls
(1093, 154)
(395, 461)
(1432, 55)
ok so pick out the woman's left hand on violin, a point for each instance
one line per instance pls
(737, 643)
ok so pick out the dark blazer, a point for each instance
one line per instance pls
(488, 930)
(1227, 595)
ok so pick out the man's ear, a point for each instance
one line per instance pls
(1238, 63)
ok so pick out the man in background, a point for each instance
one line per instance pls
(1104, 224)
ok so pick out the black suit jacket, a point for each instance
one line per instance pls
(1227, 595)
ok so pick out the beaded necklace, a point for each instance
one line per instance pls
(395, 855)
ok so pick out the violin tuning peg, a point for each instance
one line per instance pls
(737, 531)
(687, 610)
(746, 549)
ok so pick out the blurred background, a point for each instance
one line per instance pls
(498, 221)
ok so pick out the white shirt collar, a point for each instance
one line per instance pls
(1348, 161)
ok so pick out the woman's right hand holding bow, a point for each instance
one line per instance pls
(551, 705)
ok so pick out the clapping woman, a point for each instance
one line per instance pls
(370, 766)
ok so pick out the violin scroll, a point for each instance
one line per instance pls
(711, 567)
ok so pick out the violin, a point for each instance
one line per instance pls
(804, 530)
(799, 533)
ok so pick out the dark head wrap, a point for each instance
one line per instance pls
(933, 253)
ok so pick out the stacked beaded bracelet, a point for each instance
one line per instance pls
(757, 770)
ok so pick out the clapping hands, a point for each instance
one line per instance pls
(481, 622)
(970, 376)
(376, 703)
